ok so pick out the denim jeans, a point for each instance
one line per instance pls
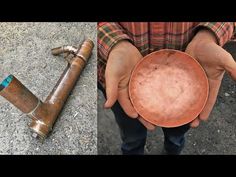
(134, 134)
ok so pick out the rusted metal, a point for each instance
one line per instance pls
(44, 114)
(168, 88)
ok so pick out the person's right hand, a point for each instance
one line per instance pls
(121, 61)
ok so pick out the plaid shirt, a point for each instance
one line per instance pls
(152, 36)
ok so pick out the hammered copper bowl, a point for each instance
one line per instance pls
(168, 88)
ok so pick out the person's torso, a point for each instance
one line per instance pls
(151, 36)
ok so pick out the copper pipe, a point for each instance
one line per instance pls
(44, 114)
(16, 93)
(66, 50)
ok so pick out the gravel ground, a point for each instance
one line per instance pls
(216, 136)
(25, 53)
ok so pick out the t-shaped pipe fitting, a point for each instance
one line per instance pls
(44, 114)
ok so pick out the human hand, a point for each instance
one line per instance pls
(121, 61)
(215, 61)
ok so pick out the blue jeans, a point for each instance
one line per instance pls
(134, 134)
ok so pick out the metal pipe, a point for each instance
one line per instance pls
(16, 93)
(64, 49)
(44, 114)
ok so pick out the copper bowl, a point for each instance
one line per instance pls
(168, 88)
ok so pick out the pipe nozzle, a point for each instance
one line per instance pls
(64, 49)
(84, 52)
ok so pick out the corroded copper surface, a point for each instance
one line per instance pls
(44, 114)
(19, 96)
(48, 112)
(168, 88)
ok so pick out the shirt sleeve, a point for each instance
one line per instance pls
(109, 33)
(223, 30)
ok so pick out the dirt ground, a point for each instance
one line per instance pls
(216, 136)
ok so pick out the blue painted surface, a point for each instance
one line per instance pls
(7, 81)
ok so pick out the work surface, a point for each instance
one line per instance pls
(25, 53)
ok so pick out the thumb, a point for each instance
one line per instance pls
(111, 91)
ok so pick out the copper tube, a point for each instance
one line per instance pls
(16, 93)
(44, 114)
(65, 49)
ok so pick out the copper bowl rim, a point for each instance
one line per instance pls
(182, 53)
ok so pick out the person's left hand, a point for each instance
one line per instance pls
(215, 61)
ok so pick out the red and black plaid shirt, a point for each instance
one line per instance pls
(152, 36)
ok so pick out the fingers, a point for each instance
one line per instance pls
(111, 91)
(214, 86)
(195, 123)
(148, 125)
(113, 94)
(126, 103)
(230, 67)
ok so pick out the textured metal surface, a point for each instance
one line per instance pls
(168, 88)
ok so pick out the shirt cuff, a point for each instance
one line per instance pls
(223, 30)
